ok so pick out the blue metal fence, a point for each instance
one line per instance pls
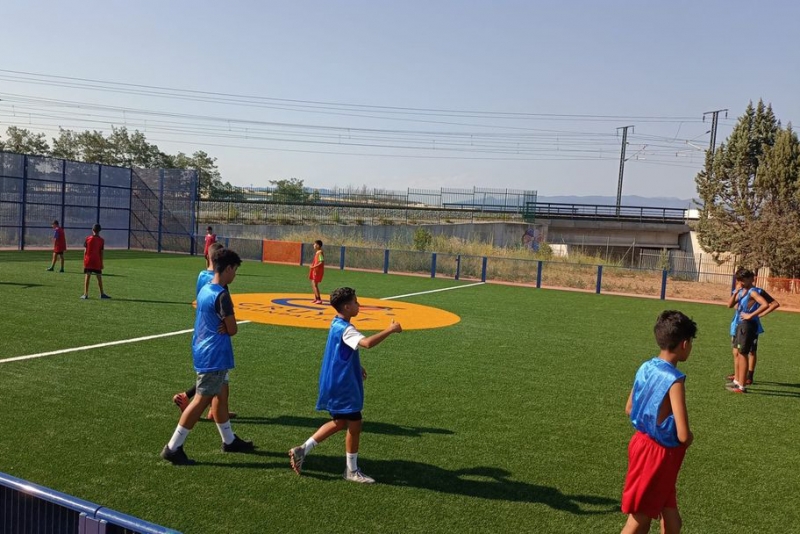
(27, 508)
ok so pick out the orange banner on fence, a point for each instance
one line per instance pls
(281, 252)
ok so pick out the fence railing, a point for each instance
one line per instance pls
(555, 210)
(27, 508)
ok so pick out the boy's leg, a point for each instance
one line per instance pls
(219, 406)
(637, 524)
(353, 473)
(741, 369)
(52, 263)
(353, 436)
(298, 454)
(86, 284)
(100, 283)
(671, 521)
(61, 255)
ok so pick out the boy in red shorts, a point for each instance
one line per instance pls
(657, 408)
(59, 246)
(93, 261)
(211, 238)
(317, 270)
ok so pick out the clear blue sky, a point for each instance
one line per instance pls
(622, 59)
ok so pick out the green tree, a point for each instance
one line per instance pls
(290, 190)
(67, 145)
(750, 194)
(24, 141)
(729, 200)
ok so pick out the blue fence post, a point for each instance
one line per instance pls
(663, 284)
(302, 250)
(261, 259)
(386, 261)
(130, 207)
(539, 274)
(227, 242)
(161, 207)
(64, 192)
(341, 258)
(193, 242)
(458, 266)
(483, 268)
(99, 189)
(24, 202)
(599, 278)
(433, 265)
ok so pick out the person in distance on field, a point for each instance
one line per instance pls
(93, 261)
(657, 409)
(317, 270)
(59, 246)
(341, 384)
(742, 297)
(211, 238)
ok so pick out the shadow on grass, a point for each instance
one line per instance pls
(780, 384)
(370, 427)
(481, 482)
(22, 285)
(183, 303)
(773, 392)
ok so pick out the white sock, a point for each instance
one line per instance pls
(309, 445)
(226, 432)
(352, 461)
(178, 437)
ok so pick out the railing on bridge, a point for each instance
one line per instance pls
(26, 508)
(556, 210)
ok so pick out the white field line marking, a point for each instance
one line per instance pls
(433, 291)
(101, 345)
(179, 332)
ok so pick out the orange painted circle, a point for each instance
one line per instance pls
(297, 309)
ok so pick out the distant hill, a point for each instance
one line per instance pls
(627, 200)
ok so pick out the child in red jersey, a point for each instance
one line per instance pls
(211, 238)
(59, 246)
(317, 270)
(93, 261)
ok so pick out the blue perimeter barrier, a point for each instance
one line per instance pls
(29, 508)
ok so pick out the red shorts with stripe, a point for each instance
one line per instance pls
(652, 476)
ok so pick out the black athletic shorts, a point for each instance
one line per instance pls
(746, 339)
(92, 271)
(352, 416)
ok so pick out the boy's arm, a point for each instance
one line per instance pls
(772, 305)
(762, 303)
(225, 309)
(629, 404)
(677, 398)
(375, 339)
(734, 296)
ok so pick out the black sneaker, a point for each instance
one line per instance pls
(176, 457)
(238, 445)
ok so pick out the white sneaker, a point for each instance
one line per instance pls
(358, 476)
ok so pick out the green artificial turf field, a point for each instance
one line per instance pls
(511, 420)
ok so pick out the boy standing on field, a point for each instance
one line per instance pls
(211, 238)
(93, 261)
(748, 310)
(317, 270)
(657, 409)
(59, 246)
(341, 384)
(212, 352)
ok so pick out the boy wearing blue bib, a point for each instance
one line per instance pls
(657, 409)
(746, 327)
(212, 352)
(341, 384)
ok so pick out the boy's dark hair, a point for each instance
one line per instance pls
(55, 223)
(318, 242)
(743, 274)
(225, 258)
(342, 296)
(96, 228)
(209, 229)
(672, 328)
(214, 249)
